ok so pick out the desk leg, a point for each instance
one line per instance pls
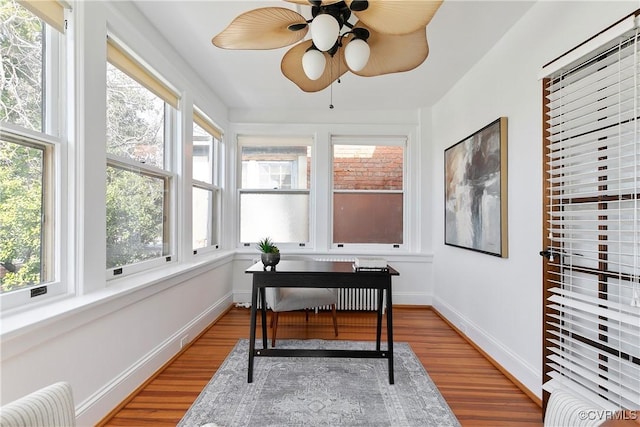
(263, 306)
(252, 329)
(390, 331)
(379, 324)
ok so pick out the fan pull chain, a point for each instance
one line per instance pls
(331, 96)
(331, 87)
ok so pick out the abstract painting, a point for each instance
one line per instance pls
(476, 191)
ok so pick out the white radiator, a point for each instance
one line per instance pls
(357, 300)
(353, 299)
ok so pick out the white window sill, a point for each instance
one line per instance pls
(86, 308)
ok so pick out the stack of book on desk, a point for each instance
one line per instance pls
(370, 264)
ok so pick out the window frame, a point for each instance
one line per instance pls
(206, 125)
(57, 167)
(169, 180)
(121, 57)
(370, 140)
(247, 140)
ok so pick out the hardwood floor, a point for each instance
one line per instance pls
(477, 392)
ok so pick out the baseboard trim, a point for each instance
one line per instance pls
(491, 360)
(208, 319)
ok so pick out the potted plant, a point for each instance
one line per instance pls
(270, 255)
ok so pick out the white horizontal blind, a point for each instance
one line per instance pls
(592, 314)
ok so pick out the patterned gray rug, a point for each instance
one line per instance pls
(307, 391)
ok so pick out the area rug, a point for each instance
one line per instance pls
(309, 391)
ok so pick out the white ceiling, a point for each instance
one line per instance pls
(459, 35)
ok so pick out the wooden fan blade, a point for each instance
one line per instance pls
(394, 53)
(398, 16)
(263, 28)
(291, 67)
(307, 3)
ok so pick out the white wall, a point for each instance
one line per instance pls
(498, 302)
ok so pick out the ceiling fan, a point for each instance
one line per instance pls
(368, 38)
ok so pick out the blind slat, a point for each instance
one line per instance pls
(598, 72)
(580, 316)
(596, 361)
(594, 308)
(598, 136)
(605, 90)
(559, 381)
(576, 368)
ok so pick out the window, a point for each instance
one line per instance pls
(274, 189)
(368, 198)
(591, 291)
(140, 117)
(206, 192)
(31, 147)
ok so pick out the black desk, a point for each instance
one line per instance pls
(319, 274)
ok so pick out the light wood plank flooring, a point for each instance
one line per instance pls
(477, 392)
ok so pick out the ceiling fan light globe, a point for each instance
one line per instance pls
(356, 54)
(324, 31)
(313, 63)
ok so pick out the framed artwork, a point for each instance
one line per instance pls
(475, 205)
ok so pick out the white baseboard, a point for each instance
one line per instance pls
(529, 376)
(94, 408)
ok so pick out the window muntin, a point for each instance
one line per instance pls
(206, 192)
(275, 180)
(368, 199)
(139, 178)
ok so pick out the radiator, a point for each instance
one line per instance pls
(353, 299)
(357, 300)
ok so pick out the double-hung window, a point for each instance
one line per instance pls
(275, 180)
(32, 111)
(368, 190)
(206, 192)
(141, 112)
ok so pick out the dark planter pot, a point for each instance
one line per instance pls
(270, 259)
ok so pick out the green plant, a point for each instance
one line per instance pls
(267, 246)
